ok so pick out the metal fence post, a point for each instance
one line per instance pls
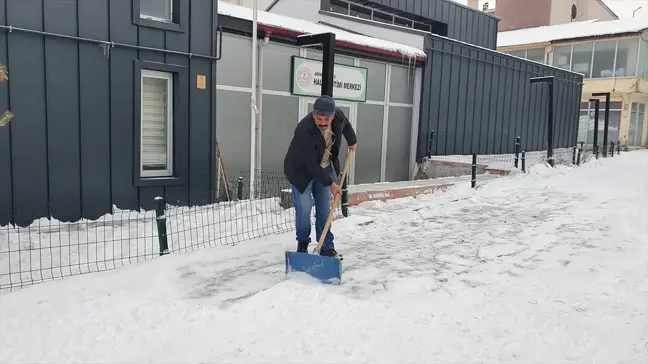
(239, 188)
(160, 218)
(596, 151)
(606, 125)
(578, 158)
(524, 161)
(517, 151)
(619, 148)
(473, 180)
(429, 146)
(611, 149)
(344, 199)
(574, 155)
(597, 104)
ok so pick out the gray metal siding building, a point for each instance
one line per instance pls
(74, 80)
(474, 99)
(463, 23)
(477, 100)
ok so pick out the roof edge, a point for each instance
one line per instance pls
(469, 8)
(271, 5)
(605, 6)
(341, 43)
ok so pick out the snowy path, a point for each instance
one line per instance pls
(544, 268)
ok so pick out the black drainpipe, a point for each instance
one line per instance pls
(107, 44)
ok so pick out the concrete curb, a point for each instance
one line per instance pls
(391, 194)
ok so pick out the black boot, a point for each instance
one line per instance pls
(302, 246)
(330, 253)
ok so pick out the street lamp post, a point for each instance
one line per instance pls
(550, 108)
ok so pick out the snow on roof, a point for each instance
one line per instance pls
(582, 29)
(307, 27)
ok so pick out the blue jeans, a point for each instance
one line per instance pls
(302, 202)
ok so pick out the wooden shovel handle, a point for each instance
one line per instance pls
(345, 170)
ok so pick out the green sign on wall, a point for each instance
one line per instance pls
(349, 82)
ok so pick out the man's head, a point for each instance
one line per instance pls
(324, 111)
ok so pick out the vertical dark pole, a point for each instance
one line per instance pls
(612, 149)
(473, 180)
(550, 115)
(517, 151)
(578, 158)
(328, 64)
(596, 125)
(606, 124)
(239, 188)
(524, 161)
(550, 135)
(574, 155)
(619, 148)
(160, 219)
(344, 203)
(430, 142)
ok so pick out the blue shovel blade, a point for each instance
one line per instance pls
(326, 269)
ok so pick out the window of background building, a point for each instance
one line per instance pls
(643, 59)
(339, 7)
(156, 124)
(521, 54)
(423, 27)
(360, 12)
(586, 124)
(562, 57)
(161, 10)
(603, 65)
(402, 22)
(636, 125)
(383, 17)
(582, 58)
(626, 59)
(536, 55)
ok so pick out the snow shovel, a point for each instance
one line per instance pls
(326, 269)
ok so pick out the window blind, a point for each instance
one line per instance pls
(155, 124)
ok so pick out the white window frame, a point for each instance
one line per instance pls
(155, 18)
(168, 76)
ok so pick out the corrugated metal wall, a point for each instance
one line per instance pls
(464, 24)
(69, 152)
(478, 101)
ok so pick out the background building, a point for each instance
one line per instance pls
(385, 116)
(147, 99)
(474, 100)
(612, 56)
(112, 104)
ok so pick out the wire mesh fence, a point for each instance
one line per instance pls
(50, 249)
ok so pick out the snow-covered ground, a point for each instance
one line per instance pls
(547, 267)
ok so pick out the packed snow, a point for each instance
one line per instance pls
(545, 267)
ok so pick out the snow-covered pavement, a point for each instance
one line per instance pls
(548, 267)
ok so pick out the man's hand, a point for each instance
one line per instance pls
(335, 189)
(353, 147)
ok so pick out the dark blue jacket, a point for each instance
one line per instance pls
(304, 155)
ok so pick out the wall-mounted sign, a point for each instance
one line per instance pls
(201, 82)
(349, 82)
